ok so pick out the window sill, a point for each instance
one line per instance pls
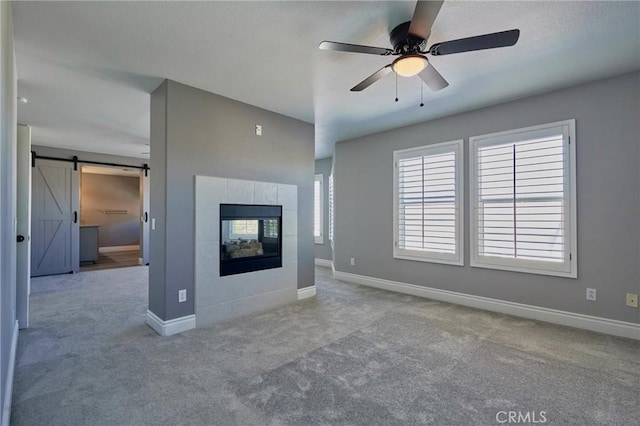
(512, 268)
(416, 258)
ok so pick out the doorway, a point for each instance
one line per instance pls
(111, 202)
(94, 214)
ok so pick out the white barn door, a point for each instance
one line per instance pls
(54, 218)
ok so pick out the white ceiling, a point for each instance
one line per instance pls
(87, 68)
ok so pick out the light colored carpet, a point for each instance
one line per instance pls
(352, 355)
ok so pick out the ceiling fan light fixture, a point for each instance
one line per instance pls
(409, 65)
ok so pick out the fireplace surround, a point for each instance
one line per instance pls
(250, 238)
(218, 298)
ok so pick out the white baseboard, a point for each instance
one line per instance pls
(8, 385)
(324, 262)
(305, 293)
(170, 327)
(111, 249)
(587, 322)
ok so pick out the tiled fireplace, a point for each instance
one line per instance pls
(243, 222)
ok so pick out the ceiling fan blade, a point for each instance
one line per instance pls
(423, 17)
(356, 48)
(487, 41)
(433, 79)
(372, 79)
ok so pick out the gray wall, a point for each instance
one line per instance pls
(607, 114)
(194, 132)
(8, 145)
(100, 193)
(323, 167)
(157, 202)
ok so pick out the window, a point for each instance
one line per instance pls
(330, 207)
(428, 203)
(317, 210)
(270, 228)
(244, 229)
(523, 193)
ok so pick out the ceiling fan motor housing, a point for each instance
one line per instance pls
(403, 42)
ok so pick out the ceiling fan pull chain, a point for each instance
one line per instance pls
(421, 99)
(396, 87)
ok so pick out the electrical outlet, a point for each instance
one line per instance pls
(632, 300)
(182, 295)
(258, 130)
(353, 261)
(591, 294)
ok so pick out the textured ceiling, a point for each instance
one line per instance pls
(88, 68)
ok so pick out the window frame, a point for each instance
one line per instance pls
(319, 239)
(568, 268)
(457, 146)
(331, 202)
(247, 236)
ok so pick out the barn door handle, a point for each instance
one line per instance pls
(146, 217)
(75, 216)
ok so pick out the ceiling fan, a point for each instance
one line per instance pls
(409, 41)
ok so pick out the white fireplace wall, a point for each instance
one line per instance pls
(220, 298)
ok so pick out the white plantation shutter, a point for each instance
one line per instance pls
(427, 202)
(523, 200)
(317, 209)
(330, 207)
(270, 228)
(244, 227)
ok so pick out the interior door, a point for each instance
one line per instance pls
(54, 218)
(144, 217)
(23, 207)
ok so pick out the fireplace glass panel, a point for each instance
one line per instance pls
(250, 238)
